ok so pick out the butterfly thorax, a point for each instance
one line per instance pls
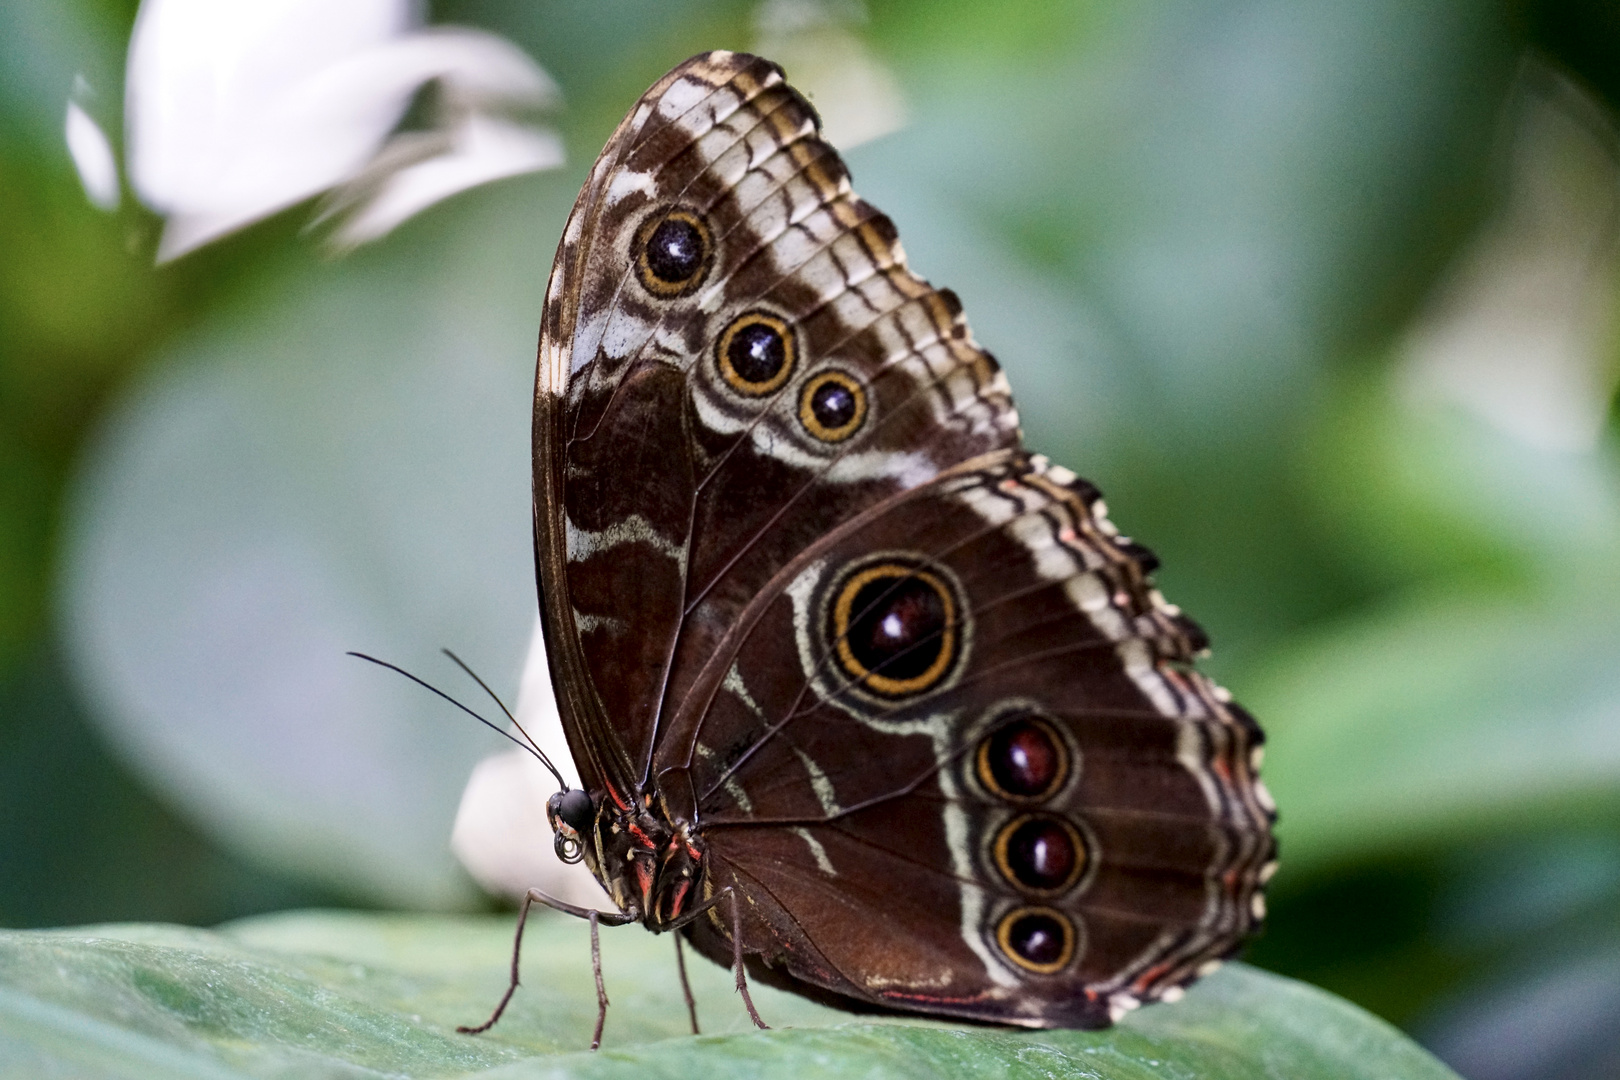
(650, 866)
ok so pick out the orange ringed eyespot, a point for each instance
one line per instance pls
(832, 405)
(756, 353)
(895, 629)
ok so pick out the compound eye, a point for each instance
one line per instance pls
(573, 808)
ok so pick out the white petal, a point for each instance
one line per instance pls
(205, 79)
(475, 66)
(238, 111)
(485, 149)
(93, 157)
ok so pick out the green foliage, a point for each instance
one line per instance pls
(351, 995)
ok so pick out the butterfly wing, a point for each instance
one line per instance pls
(958, 762)
(734, 359)
(799, 578)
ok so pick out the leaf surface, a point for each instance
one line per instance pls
(337, 994)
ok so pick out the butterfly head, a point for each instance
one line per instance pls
(650, 865)
(571, 814)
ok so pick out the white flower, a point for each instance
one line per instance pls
(93, 157)
(237, 110)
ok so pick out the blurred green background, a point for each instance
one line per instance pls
(1322, 295)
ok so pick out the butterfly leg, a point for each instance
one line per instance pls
(601, 991)
(737, 958)
(727, 893)
(535, 896)
(686, 987)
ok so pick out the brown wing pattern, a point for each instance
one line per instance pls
(699, 429)
(798, 576)
(1074, 813)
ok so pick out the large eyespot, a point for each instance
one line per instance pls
(1024, 760)
(1038, 939)
(673, 252)
(756, 353)
(894, 628)
(1040, 854)
(832, 406)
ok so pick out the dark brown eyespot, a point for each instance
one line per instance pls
(1038, 939)
(894, 628)
(1024, 760)
(673, 252)
(756, 353)
(832, 406)
(1040, 854)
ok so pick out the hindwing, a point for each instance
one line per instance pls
(959, 760)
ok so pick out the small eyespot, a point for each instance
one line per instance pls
(673, 252)
(1024, 760)
(894, 628)
(832, 406)
(1040, 854)
(756, 353)
(1038, 939)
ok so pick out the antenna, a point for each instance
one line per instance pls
(528, 745)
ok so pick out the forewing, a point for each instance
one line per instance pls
(734, 359)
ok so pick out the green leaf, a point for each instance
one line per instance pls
(1453, 718)
(357, 995)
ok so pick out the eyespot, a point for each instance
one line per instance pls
(1038, 939)
(673, 252)
(1040, 853)
(756, 353)
(894, 628)
(832, 405)
(1024, 760)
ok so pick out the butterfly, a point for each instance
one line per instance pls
(867, 700)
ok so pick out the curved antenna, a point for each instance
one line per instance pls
(534, 746)
(529, 746)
